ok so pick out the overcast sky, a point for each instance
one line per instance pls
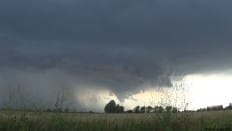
(115, 45)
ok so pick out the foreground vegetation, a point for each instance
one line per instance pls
(185, 121)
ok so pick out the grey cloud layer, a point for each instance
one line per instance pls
(121, 45)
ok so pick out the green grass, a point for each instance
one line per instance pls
(42, 121)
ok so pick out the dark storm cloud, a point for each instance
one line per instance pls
(120, 45)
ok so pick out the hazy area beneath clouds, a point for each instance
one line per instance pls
(119, 46)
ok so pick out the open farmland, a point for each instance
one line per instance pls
(43, 121)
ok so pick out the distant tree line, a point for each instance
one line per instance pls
(216, 108)
(112, 107)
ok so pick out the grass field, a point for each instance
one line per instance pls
(43, 121)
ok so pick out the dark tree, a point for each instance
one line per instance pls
(129, 111)
(137, 109)
(111, 107)
(229, 107)
(143, 109)
(174, 110)
(149, 109)
(119, 109)
(168, 108)
(159, 109)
